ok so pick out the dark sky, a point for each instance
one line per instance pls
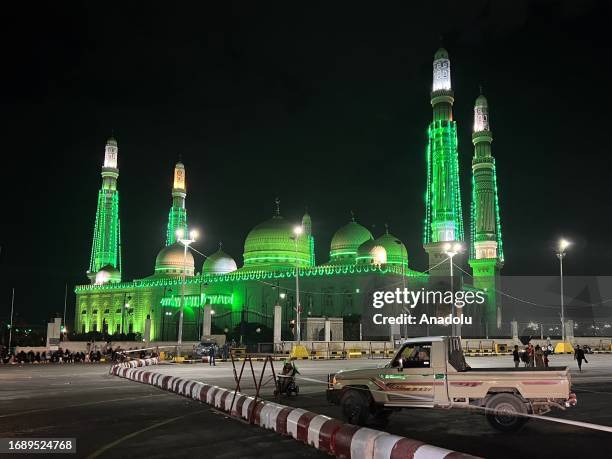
(325, 106)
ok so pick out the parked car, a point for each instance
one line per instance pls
(203, 348)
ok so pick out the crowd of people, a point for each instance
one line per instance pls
(106, 353)
(538, 356)
(532, 356)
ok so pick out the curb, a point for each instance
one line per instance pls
(345, 441)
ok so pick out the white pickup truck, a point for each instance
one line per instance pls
(431, 372)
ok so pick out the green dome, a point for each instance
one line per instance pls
(219, 263)
(346, 241)
(441, 54)
(396, 250)
(271, 244)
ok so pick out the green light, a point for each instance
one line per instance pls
(245, 275)
(177, 219)
(106, 246)
(443, 193)
(485, 221)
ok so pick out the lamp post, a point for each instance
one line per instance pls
(126, 305)
(402, 252)
(563, 244)
(193, 235)
(451, 250)
(297, 231)
(11, 329)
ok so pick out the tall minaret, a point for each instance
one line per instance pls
(486, 250)
(443, 214)
(307, 226)
(106, 245)
(177, 219)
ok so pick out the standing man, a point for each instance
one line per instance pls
(211, 355)
(579, 357)
(531, 355)
(516, 356)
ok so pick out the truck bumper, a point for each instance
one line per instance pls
(333, 396)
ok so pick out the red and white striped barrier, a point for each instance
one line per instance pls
(345, 441)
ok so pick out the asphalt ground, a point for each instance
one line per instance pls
(113, 417)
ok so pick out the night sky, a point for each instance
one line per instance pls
(324, 106)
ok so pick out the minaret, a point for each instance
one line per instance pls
(106, 245)
(307, 226)
(177, 219)
(486, 250)
(443, 214)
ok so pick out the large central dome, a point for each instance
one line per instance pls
(271, 244)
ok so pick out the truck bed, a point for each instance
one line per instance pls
(520, 369)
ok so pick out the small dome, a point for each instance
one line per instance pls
(107, 274)
(346, 241)
(111, 141)
(481, 101)
(170, 261)
(371, 252)
(272, 244)
(396, 250)
(441, 54)
(219, 263)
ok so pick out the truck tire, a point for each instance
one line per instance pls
(355, 407)
(500, 409)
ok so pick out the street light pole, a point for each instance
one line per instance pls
(11, 329)
(65, 301)
(451, 251)
(193, 235)
(298, 230)
(563, 244)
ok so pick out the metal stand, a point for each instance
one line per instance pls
(258, 385)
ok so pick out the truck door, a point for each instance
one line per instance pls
(410, 379)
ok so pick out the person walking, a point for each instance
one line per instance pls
(538, 355)
(516, 356)
(579, 357)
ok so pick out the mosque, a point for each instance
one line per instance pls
(279, 260)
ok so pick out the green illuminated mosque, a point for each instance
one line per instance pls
(244, 298)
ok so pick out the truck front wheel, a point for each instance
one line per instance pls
(355, 407)
(504, 412)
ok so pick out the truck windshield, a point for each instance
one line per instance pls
(455, 355)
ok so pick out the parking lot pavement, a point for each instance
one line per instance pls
(114, 418)
(456, 429)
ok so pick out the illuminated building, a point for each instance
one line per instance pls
(486, 248)
(243, 298)
(105, 261)
(443, 214)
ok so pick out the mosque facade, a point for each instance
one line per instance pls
(243, 298)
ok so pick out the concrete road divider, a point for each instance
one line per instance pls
(345, 441)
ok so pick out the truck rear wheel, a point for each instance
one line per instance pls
(355, 407)
(503, 412)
